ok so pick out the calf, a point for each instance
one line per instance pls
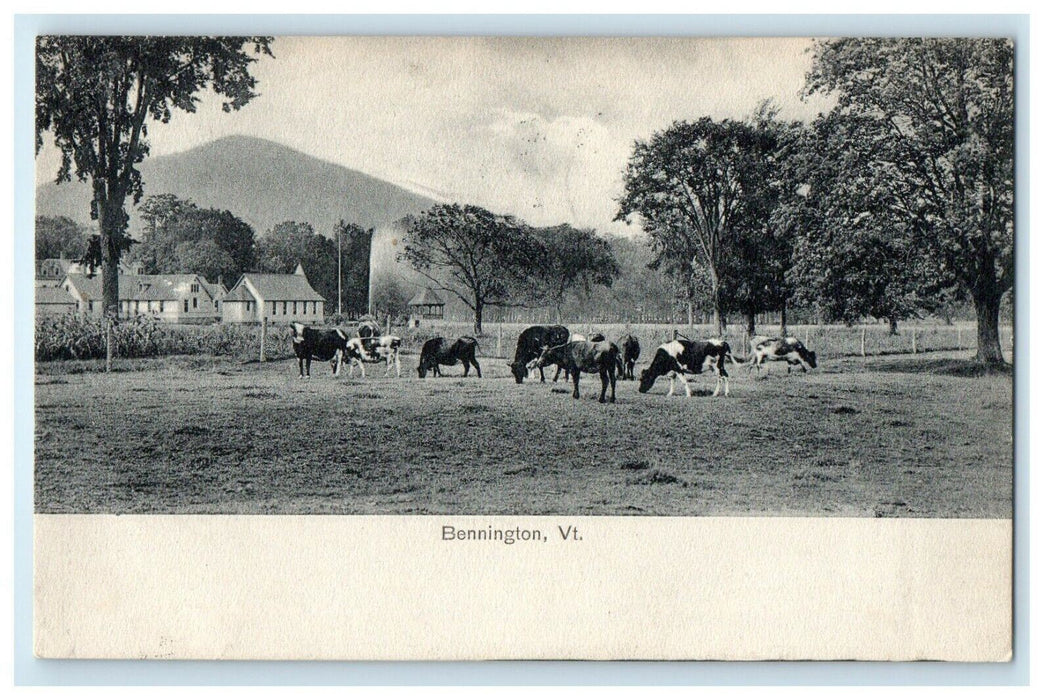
(585, 356)
(629, 355)
(327, 345)
(375, 349)
(681, 357)
(788, 349)
(437, 352)
(530, 344)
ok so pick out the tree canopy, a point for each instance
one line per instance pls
(60, 237)
(472, 253)
(178, 236)
(570, 258)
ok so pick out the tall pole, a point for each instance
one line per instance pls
(339, 269)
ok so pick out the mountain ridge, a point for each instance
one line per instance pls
(260, 181)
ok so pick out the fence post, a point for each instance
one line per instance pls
(913, 341)
(863, 341)
(388, 324)
(499, 339)
(262, 340)
(959, 338)
(109, 342)
(806, 336)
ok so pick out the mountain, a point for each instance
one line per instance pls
(262, 182)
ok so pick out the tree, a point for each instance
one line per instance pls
(856, 252)
(292, 243)
(472, 253)
(356, 245)
(94, 96)
(692, 185)
(572, 258)
(944, 116)
(60, 237)
(178, 236)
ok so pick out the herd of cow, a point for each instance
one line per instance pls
(542, 346)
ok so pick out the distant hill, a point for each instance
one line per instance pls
(262, 182)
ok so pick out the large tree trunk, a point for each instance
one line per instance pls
(717, 305)
(478, 317)
(893, 321)
(784, 319)
(112, 224)
(750, 330)
(987, 311)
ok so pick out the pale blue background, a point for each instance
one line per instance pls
(30, 671)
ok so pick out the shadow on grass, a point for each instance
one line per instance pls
(945, 366)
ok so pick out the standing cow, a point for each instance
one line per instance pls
(788, 349)
(585, 356)
(681, 357)
(629, 355)
(384, 348)
(437, 352)
(531, 343)
(324, 344)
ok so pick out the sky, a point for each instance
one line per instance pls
(537, 128)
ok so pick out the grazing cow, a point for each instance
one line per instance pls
(437, 352)
(629, 355)
(326, 345)
(788, 349)
(585, 356)
(681, 357)
(530, 343)
(384, 348)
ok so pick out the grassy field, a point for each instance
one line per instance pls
(902, 436)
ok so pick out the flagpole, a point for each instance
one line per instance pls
(339, 269)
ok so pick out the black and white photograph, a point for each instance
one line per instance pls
(521, 276)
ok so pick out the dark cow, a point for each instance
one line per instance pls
(585, 356)
(324, 344)
(383, 348)
(629, 355)
(788, 349)
(530, 344)
(437, 352)
(681, 357)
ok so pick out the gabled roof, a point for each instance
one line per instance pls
(129, 287)
(282, 287)
(239, 293)
(427, 298)
(47, 266)
(215, 291)
(54, 295)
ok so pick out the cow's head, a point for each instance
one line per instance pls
(646, 380)
(422, 369)
(811, 358)
(662, 364)
(518, 370)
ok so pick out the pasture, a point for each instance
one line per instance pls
(896, 436)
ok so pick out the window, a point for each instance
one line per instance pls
(273, 312)
(284, 308)
(295, 307)
(315, 308)
(162, 307)
(185, 306)
(91, 305)
(194, 288)
(195, 302)
(216, 302)
(136, 306)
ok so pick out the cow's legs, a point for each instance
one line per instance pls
(397, 364)
(612, 386)
(576, 384)
(605, 382)
(541, 373)
(337, 362)
(300, 367)
(308, 366)
(477, 367)
(671, 384)
(685, 384)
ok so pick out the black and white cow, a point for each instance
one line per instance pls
(384, 348)
(324, 344)
(789, 349)
(530, 344)
(437, 352)
(629, 355)
(585, 356)
(681, 357)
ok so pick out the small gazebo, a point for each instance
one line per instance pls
(426, 306)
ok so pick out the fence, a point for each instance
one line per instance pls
(72, 337)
